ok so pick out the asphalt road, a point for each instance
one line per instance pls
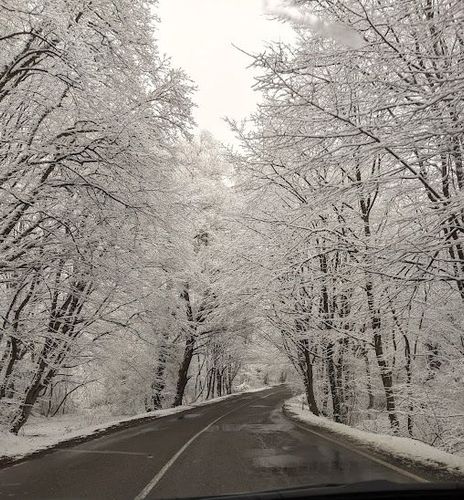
(242, 444)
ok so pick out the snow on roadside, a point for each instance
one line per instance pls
(43, 433)
(407, 449)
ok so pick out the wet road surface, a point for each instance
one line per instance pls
(242, 444)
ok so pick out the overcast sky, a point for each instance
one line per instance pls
(198, 35)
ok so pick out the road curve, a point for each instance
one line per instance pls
(242, 444)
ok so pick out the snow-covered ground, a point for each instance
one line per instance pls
(406, 449)
(41, 433)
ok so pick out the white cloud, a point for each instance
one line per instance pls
(336, 31)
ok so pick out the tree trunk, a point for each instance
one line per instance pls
(209, 383)
(38, 384)
(13, 357)
(407, 354)
(182, 377)
(219, 383)
(387, 382)
(334, 389)
(307, 372)
(370, 394)
(408, 367)
(385, 372)
(159, 383)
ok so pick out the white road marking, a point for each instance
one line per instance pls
(107, 452)
(264, 397)
(156, 479)
(366, 455)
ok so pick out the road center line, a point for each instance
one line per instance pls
(156, 479)
(366, 455)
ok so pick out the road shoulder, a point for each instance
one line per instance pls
(428, 464)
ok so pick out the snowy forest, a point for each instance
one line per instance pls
(145, 265)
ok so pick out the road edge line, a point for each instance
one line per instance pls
(304, 426)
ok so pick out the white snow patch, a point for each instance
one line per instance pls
(342, 34)
(41, 433)
(408, 449)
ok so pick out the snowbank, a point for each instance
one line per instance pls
(409, 452)
(41, 434)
